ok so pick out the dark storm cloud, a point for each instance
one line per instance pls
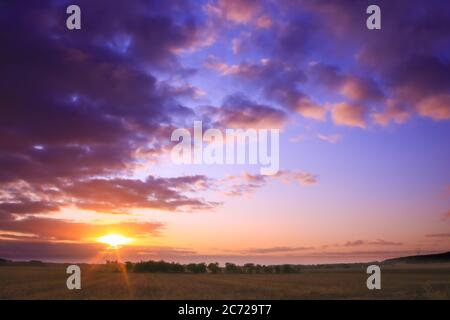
(280, 82)
(385, 76)
(81, 104)
(26, 206)
(409, 56)
(76, 96)
(74, 99)
(113, 195)
(237, 111)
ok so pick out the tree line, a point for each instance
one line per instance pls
(173, 267)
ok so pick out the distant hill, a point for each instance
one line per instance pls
(427, 258)
(30, 263)
(4, 261)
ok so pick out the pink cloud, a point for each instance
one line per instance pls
(223, 68)
(264, 22)
(237, 11)
(436, 107)
(308, 109)
(349, 115)
(360, 89)
(393, 112)
(304, 178)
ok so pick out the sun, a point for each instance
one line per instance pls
(114, 240)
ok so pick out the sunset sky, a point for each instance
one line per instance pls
(86, 118)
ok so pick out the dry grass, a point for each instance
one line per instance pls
(400, 282)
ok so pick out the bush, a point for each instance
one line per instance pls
(157, 266)
(129, 266)
(171, 267)
(231, 268)
(214, 267)
(196, 267)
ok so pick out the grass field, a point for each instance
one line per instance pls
(398, 282)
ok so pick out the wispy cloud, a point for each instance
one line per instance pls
(297, 138)
(247, 183)
(332, 138)
(274, 250)
(438, 235)
(378, 242)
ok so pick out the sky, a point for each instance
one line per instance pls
(86, 118)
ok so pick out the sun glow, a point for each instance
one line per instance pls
(114, 240)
